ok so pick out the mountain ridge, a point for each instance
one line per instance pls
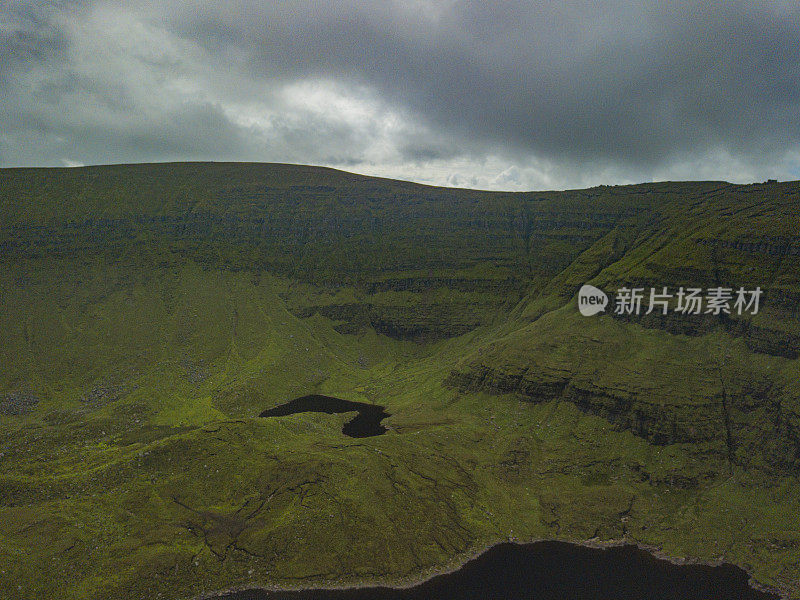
(152, 312)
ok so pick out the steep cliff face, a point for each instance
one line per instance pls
(721, 382)
(730, 411)
(421, 262)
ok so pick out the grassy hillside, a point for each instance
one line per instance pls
(152, 312)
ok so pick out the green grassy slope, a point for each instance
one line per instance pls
(151, 312)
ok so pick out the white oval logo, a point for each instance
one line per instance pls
(591, 300)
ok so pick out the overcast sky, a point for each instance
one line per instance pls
(507, 95)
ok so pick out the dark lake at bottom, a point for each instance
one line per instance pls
(554, 571)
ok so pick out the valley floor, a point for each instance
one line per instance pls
(162, 481)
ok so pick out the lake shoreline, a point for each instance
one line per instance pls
(406, 582)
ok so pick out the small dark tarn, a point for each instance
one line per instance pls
(555, 571)
(366, 423)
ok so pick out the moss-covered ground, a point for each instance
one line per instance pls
(134, 364)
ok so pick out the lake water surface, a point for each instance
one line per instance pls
(366, 423)
(555, 571)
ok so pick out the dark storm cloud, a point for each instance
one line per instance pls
(528, 94)
(605, 81)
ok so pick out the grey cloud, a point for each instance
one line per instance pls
(552, 94)
(635, 90)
